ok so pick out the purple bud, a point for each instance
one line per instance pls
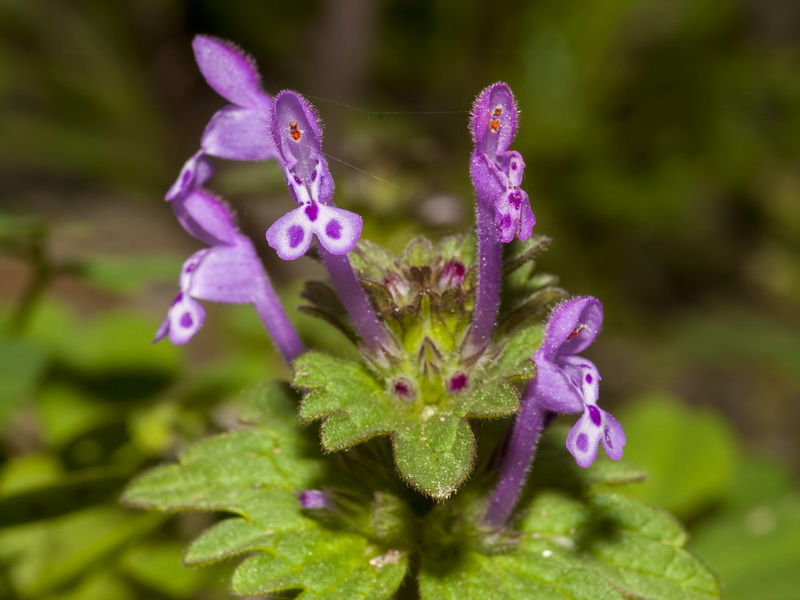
(314, 500)
(452, 275)
(457, 383)
(403, 388)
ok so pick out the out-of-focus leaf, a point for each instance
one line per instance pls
(66, 412)
(689, 454)
(45, 556)
(754, 543)
(129, 274)
(21, 365)
(29, 471)
(159, 567)
(73, 491)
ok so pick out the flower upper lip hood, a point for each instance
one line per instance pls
(236, 131)
(297, 135)
(572, 327)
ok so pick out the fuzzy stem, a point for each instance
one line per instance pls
(490, 266)
(274, 317)
(354, 298)
(517, 460)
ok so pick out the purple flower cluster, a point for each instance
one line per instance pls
(255, 126)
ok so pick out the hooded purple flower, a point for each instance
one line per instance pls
(566, 382)
(228, 271)
(236, 131)
(497, 171)
(297, 134)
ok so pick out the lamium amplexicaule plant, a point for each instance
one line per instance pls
(408, 472)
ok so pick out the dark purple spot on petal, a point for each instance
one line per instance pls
(295, 235)
(297, 180)
(186, 177)
(505, 222)
(458, 382)
(312, 211)
(333, 229)
(314, 175)
(178, 298)
(513, 165)
(589, 378)
(186, 320)
(190, 267)
(582, 442)
(594, 415)
(608, 438)
(516, 199)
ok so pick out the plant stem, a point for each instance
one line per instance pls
(354, 298)
(517, 459)
(487, 296)
(272, 314)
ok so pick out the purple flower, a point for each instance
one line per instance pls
(297, 135)
(236, 131)
(228, 271)
(566, 382)
(497, 171)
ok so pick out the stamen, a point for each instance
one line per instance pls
(294, 131)
(577, 331)
(494, 125)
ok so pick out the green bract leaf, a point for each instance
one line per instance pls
(435, 456)
(256, 474)
(433, 443)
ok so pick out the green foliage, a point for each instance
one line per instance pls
(693, 451)
(753, 539)
(256, 473)
(573, 538)
(434, 445)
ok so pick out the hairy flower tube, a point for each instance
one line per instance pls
(236, 131)
(565, 383)
(502, 209)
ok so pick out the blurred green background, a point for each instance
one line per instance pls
(662, 143)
